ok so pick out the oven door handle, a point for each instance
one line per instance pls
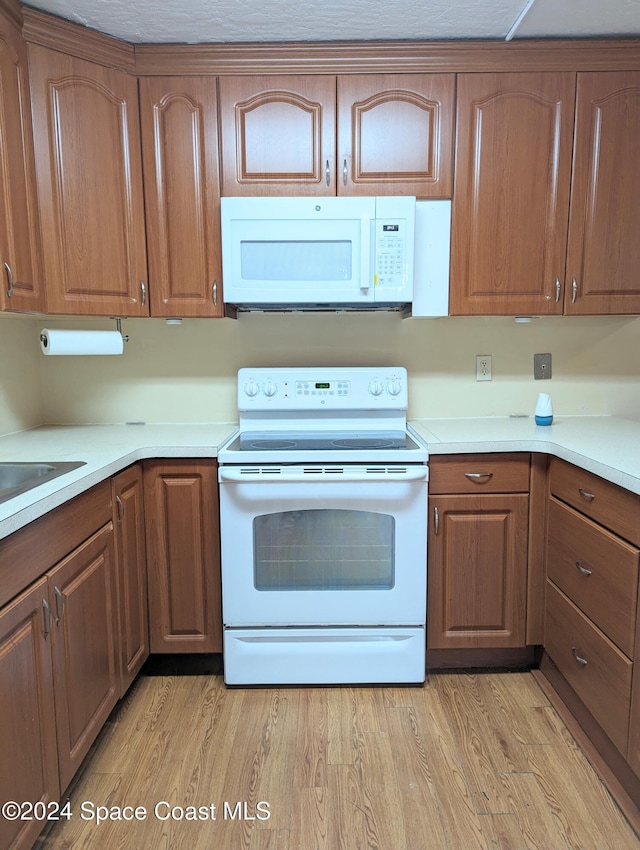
(238, 475)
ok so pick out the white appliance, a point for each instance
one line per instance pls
(323, 509)
(331, 252)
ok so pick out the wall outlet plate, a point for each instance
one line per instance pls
(541, 367)
(483, 367)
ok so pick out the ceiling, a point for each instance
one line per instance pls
(194, 21)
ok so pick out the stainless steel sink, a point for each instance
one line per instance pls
(17, 478)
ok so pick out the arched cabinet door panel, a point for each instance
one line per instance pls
(182, 195)
(21, 285)
(278, 135)
(511, 198)
(395, 134)
(89, 174)
(603, 254)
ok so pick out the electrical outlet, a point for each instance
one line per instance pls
(483, 367)
(541, 367)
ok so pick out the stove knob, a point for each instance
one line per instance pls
(270, 389)
(251, 388)
(394, 387)
(376, 388)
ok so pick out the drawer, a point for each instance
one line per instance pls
(601, 500)
(597, 570)
(604, 682)
(479, 473)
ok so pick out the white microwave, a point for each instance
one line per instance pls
(314, 253)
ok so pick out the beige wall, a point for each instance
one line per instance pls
(20, 396)
(187, 373)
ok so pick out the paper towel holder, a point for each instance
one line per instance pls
(125, 337)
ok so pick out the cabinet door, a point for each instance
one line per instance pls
(604, 249)
(395, 135)
(20, 257)
(27, 730)
(179, 118)
(278, 135)
(81, 596)
(477, 571)
(89, 171)
(511, 197)
(183, 556)
(131, 574)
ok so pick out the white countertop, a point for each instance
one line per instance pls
(605, 445)
(106, 449)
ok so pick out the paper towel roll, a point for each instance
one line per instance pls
(81, 342)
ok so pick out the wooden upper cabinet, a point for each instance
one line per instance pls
(395, 134)
(278, 135)
(603, 254)
(179, 119)
(20, 258)
(511, 195)
(89, 175)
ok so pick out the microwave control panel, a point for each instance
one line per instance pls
(390, 253)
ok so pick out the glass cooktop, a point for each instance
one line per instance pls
(253, 441)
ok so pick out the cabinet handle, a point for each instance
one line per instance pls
(579, 658)
(583, 569)
(558, 289)
(345, 172)
(120, 510)
(585, 495)
(476, 476)
(574, 291)
(436, 520)
(327, 173)
(143, 295)
(60, 604)
(214, 293)
(7, 268)
(46, 618)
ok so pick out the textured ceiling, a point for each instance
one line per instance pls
(196, 21)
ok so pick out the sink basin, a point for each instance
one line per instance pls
(17, 478)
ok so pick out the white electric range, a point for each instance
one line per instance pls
(323, 507)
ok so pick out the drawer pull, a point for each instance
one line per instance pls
(579, 658)
(583, 570)
(436, 520)
(585, 495)
(477, 476)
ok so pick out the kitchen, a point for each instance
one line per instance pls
(192, 367)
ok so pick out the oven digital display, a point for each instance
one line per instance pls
(322, 385)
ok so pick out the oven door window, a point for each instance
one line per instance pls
(324, 549)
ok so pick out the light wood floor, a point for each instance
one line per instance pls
(469, 761)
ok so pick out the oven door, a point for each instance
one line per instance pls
(323, 545)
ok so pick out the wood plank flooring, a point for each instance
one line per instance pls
(471, 761)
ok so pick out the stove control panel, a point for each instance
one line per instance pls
(360, 388)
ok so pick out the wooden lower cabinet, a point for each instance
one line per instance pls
(183, 555)
(131, 574)
(477, 571)
(29, 765)
(82, 605)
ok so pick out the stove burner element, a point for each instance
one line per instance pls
(363, 443)
(273, 444)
